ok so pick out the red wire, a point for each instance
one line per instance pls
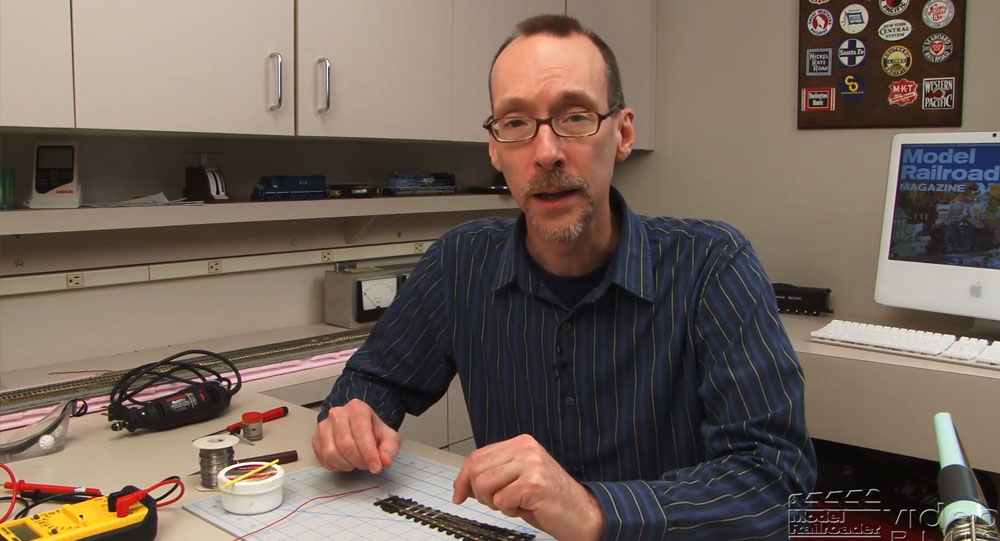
(13, 492)
(172, 481)
(303, 504)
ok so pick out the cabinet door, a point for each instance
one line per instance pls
(36, 64)
(479, 29)
(390, 68)
(629, 28)
(185, 65)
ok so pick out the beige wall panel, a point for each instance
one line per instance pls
(728, 147)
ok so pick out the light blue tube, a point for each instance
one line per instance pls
(949, 451)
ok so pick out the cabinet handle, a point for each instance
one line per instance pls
(326, 64)
(277, 105)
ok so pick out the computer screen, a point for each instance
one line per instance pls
(940, 246)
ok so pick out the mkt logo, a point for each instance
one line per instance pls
(902, 92)
(939, 93)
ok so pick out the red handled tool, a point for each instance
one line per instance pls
(237, 427)
(23, 486)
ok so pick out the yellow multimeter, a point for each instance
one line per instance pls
(89, 519)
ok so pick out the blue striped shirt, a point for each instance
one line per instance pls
(670, 391)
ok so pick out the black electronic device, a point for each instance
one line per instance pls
(421, 184)
(290, 188)
(501, 189)
(56, 182)
(793, 299)
(206, 184)
(192, 404)
(337, 191)
(201, 400)
(356, 297)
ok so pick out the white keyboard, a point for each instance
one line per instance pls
(910, 342)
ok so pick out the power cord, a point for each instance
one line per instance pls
(201, 399)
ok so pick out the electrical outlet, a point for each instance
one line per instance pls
(214, 266)
(74, 280)
(326, 256)
(419, 247)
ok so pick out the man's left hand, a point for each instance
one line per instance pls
(519, 478)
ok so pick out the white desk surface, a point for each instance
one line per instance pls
(97, 457)
(887, 402)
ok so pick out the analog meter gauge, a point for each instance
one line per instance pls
(356, 297)
(378, 292)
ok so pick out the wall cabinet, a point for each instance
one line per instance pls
(387, 64)
(399, 69)
(629, 28)
(480, 27)
(36, 64)
(185, 65)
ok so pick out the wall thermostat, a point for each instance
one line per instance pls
(56, 184)
(355, 298)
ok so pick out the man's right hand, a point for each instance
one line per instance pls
(354, 437)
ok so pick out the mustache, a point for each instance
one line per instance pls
(554, 179)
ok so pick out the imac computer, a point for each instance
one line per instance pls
(940, 246)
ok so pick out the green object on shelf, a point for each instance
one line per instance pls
(6, 188)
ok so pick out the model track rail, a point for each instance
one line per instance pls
(52, 393)
(453, 525)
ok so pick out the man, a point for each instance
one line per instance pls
(626, 377)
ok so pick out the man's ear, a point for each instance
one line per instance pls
(626, 134)
(493, 155)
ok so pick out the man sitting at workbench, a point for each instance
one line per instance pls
(626, 377)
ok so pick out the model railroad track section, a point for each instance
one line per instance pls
(53, 393)
(453, 525)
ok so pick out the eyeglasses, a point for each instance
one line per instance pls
(513, 129)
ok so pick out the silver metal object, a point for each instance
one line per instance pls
(326, 64)
(972, 529)
(277, 106)
(215, 453)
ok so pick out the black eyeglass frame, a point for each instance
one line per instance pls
(490, 121)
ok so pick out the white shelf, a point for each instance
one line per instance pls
(31, 221)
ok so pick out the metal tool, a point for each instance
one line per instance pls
(237, 427)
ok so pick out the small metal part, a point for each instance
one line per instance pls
(453, 525)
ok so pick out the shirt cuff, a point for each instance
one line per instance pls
(631, 508)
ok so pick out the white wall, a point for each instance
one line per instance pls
(728, 148)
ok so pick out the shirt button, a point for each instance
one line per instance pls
(575, 470)
(567, 326)
(570, 401)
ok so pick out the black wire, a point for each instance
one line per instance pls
(20, 500)
(172, 488)
(125, 390)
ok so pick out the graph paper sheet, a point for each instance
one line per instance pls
(354, 516)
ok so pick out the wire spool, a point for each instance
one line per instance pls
(214, 454)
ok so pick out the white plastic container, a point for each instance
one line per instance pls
(259, 493)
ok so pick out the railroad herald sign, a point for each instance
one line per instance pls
(880, 63)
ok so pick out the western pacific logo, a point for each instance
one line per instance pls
(939, 93)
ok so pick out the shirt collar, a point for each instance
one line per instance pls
(631, 266)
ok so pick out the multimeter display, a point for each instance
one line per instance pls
(54, 167)
(24, 532)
